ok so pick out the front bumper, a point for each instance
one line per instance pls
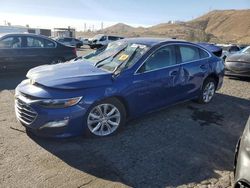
(231, 73)
(72, 116)
(60, 122)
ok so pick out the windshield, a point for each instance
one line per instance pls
(97, 37)
(103, 53)
(246, 50)
(118, 55)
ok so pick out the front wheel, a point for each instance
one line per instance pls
(105, 118)
(208, 91)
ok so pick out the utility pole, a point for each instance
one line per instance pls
(102, 26)
(85, 27)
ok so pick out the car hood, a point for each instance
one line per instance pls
(239, 57)
(77, 75)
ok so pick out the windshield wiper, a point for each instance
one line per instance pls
(131, 57)
(98, 63)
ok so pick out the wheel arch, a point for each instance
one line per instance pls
(213, 76)
(122, 100)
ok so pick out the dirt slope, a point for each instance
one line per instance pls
(217, 26)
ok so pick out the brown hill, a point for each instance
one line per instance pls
(123, 29)
(228, 26)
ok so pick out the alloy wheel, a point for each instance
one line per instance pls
(208, 92)
(103, 119)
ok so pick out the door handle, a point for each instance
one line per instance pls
(173, 73)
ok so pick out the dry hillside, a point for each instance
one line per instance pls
(229, 26)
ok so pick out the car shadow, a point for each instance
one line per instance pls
(186, 143)
(241, 78)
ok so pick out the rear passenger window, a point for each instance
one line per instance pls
(189, 53)
(33, 42)
(203, 54)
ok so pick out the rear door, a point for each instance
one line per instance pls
(194, 68)
(39, 51)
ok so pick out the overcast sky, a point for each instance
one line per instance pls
(63, 13)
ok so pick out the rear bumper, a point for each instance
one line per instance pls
(220, 83)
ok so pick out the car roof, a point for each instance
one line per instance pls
(66, 37)
(22, 34)
(150, 41)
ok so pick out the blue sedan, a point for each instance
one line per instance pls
(96, 94)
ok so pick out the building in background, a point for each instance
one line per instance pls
(64, 32)
(23, 29)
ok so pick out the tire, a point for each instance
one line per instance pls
(100, 123)
(236, 155)
(209, 86)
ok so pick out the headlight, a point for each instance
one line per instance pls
(59, 103)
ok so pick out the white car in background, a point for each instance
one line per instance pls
(70, 41)
(101, 40)
(85, 41)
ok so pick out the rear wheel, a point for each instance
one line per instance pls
(208, 91)
(105, 118)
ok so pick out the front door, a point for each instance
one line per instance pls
(157, 81)
(11, 53)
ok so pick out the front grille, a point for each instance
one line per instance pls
(24, 112)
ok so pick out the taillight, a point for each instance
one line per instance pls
(74, 51)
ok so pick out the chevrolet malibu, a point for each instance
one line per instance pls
(131, 77)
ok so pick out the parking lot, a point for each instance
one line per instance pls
(187, 145)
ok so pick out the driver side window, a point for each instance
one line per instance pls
(162, 58)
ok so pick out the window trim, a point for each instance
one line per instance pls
(8, 36)
(25, 36)
(178, 64)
